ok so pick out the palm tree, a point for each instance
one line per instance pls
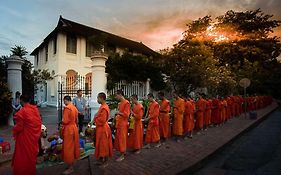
(19, 51)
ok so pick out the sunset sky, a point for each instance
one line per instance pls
(157, 23)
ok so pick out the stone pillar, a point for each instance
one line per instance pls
(14, 77)
(99, 80)
(147, 91)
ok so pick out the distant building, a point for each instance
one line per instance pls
(66, 52)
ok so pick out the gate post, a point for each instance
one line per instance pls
(14, 77)
(99, 80)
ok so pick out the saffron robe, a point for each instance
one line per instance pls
(103, 145)
(120, 142)
(164, 118)
(179, 108)
(152, 132)
(135, 139)
(26, 133)
(70, 145)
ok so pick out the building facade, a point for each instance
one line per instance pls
(66, 52)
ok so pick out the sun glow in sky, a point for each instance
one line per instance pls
(216, 36)
(156, 23)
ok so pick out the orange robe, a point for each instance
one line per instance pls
(135, 139)
(103, 143)
(233, 107)
(164, 118)
(188, 124)
(179, 107)
(229, 108)
(237, 105)
(152, 132)
(26, 133)
(224, 103)
(215, 111)
(221, 110)
(208, 113)
(70, 146)
(201, 106)
(120, 142)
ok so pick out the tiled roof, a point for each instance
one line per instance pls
(65, 25)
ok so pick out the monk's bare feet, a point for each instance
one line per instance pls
(185, 138)
(98, 163)
(121, 158)
(147, 146)
(158, 145)
(137, 151)
(103, 165)
(68, 171)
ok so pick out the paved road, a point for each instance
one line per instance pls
(49, 115)
(256, 152)
(174, 157)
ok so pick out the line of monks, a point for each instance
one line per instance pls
(162, 120)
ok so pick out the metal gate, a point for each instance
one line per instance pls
(69, 86)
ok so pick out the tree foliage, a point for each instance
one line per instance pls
(5, 102)
(131, 67)
(217, 53)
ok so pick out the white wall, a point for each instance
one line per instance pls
(60, 63)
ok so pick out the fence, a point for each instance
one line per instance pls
(69, 86)
(136, 87)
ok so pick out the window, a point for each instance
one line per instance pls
(89, 48)
(71, 44)
(36, 59)
(55, 45)
(46, 53)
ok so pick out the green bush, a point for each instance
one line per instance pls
(5, 103)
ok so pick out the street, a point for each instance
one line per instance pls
(256, 152)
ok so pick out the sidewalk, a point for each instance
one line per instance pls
(171, 158)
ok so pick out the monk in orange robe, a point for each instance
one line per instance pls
(201, 108)
(152, 131)
(103, 145)
(179, 108)
(237, 106)
(208, 114)
(224, 110)
(215, 112)
(229, 108)
(188, 121)
(164, 116)
(135, 140)
(122, 117)
(70, 145)
(26, 133)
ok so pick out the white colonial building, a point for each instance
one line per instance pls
(66, 52)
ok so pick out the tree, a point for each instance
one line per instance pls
(5, 102)
(190, 65)
(19, 51)
(232, 46)
(130, 67)
(5, 94)
(254, 50)
(3, 68)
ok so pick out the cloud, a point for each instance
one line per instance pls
(157, 23)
